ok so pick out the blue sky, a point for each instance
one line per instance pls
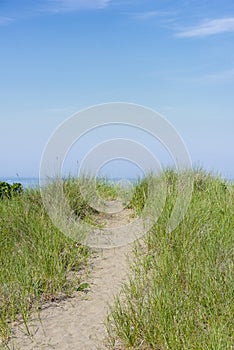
(58, 57)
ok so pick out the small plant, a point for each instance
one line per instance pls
(7, 190)
(16, 188)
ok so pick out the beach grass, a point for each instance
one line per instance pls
(38, 262)
(180, 292)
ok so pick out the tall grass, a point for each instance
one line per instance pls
(180, 293)
(93, 192)
(37, 261)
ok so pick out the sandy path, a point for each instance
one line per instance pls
(78, 323)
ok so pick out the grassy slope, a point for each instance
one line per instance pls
(37, 261)
(180, 294)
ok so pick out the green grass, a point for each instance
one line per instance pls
(37, 261)
(180, 293)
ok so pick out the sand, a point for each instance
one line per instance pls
(78, 323)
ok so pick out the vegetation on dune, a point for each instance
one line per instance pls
(36, 259)
(38, 262)
(180, 293)
(7, 190)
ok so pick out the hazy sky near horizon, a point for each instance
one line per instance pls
(60, 56)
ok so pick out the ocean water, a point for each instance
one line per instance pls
(33, 182)
(26, 182)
